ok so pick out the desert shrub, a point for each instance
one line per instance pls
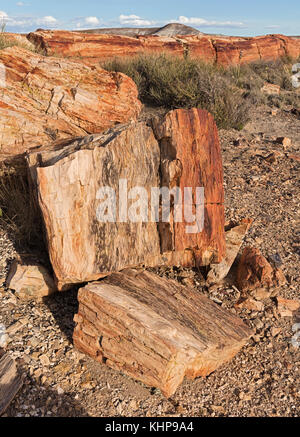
(173, 82)
(276, 72)
(7, 41)
(19, 214)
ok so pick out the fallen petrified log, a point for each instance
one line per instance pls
(10, 381)
(46, 99)
(71, 181)
(223, 50)
(154, 329)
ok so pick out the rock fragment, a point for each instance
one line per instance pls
(30, 281)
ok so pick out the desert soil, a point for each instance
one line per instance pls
(262, 380)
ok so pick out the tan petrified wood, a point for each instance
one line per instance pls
(154, 329)
(68, 179)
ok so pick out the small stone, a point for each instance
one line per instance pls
(44, 360)
(286, 142)
(270, 89)
(60, 391)
(271, 158)
(245, 397)
(287, 307)
(261, 294)
(133, 405)
(275, 331)
(38, 373)
(250, 304)
(218, 409)
(3, 336)
(29, 280)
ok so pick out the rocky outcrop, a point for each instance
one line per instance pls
(181, 150)
(95, 48)
(45, 99)
(155, 330)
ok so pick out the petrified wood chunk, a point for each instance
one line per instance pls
(234, 239)
(10, 381)
(189, 143)
(68, 180)
(30, 280)
(254, 272)
(154, 329)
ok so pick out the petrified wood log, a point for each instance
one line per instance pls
(184, 151)
(10, 381)
(154, 329)
(223, 50)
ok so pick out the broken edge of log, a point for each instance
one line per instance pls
(155, 330)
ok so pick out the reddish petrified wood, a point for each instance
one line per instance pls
(45, 99)
(255, 272)
(94, 48)
(189, 140)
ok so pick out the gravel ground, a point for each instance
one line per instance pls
(262, 380)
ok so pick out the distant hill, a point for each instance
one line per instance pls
(171, 29)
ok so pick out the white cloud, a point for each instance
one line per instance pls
(3, 16)
(20, 4)
(195, 21)
(92, 20)
(27, 22)
(46, 20)
(135, 20)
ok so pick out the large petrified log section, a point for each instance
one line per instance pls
(154, 329)
(45, 99)
(94, 48)
(68, 180)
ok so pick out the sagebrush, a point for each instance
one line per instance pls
(228, 93)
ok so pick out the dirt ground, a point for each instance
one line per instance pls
(261, 182)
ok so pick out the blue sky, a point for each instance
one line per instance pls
(229, 17)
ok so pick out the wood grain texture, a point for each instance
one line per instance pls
(48, 99)
(66, 179)
(10, 381)
(155, 330)
(189, 139)
(222, 50)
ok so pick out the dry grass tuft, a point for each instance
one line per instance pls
(18, 212)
